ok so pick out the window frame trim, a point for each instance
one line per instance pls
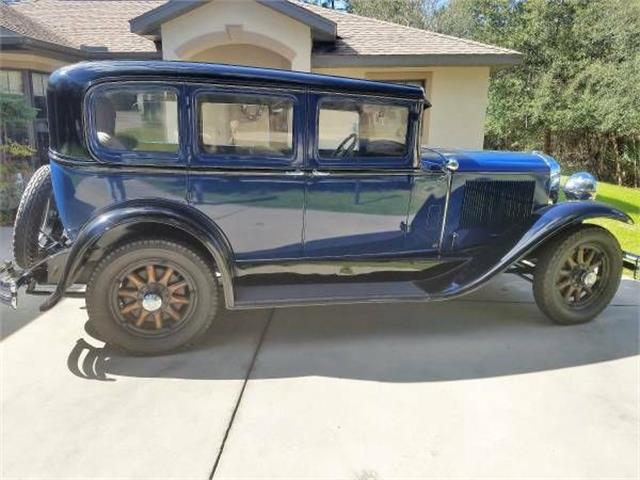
(203, 159)
(361, 162)
(103, 154)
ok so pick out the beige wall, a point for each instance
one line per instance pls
(28, 61)
(251, 55)
(458, 96)
(228, 22)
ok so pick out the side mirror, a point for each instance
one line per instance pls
(580, 186)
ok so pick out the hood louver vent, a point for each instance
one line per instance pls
(492, 203)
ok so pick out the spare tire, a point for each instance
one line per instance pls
(37, 224)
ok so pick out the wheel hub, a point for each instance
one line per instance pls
(153, 297)
(151, 302)
(579, 277)
(589, 279)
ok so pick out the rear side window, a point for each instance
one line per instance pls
(355, 128)
(136, 119)
(245, 125)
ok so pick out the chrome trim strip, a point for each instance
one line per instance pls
(184, 169)
(446, 211)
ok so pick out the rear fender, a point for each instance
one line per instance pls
(156, 211)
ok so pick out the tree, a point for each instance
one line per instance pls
(577, 92)
(14, 114)
(411, 13)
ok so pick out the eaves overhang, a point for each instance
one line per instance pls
(18, 43)
(148, 24)
(446, 59)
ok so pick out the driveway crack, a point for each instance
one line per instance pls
(239, 400)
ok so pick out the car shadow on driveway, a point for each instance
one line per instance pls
(385, 342)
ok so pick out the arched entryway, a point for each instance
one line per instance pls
(238, 46)
(242, 54)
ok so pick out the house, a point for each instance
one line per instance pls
(38, 36)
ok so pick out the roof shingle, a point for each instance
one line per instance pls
(17, 22)
(368, 36)
(105, 23)
(92, 23)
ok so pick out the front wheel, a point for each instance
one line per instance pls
(152, 296)
(577, 275)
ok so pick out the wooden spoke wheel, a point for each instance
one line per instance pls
(580, 280)
(577, 274)
(153, 297)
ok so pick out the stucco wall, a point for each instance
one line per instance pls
(224, 22)
(458, 95)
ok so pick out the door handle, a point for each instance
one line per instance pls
(318, 173)
(294, 173)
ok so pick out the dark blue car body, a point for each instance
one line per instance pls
(431, 224)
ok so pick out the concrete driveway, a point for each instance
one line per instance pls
(483, 387)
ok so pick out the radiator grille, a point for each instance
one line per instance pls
(496, 202)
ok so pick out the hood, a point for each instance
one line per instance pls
(490, 161)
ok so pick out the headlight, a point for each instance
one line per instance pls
(580, 186)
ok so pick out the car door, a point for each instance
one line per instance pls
(359, 188)
(244, 173)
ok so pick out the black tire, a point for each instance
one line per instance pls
(36, 213)
(113, 292)
(563, 286)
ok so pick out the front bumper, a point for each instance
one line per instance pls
(632, 262)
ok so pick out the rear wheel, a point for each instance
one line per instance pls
(577, 275)
(152, 296)
(37, 226)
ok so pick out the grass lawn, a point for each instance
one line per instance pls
(628, 200)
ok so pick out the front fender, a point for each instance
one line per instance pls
(545, 223)
(550, 220)
(167, 213)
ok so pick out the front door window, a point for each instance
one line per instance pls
(353, 128)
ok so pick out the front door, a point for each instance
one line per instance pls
(245, 169)
(360, 183)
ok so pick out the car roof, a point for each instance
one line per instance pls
(86, 73)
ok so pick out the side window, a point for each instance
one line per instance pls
(245, 125)
(136, 119)
(354, 128)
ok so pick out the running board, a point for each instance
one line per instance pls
(291, 295)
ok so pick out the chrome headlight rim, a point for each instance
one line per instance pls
(580, 186)
(555, 175)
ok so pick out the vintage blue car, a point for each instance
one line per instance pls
(175, 189)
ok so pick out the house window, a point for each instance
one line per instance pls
(245, 125)
(39, 83)
(11, 82)
(353, 128)
(136, 119)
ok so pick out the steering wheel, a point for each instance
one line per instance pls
(345, 148)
